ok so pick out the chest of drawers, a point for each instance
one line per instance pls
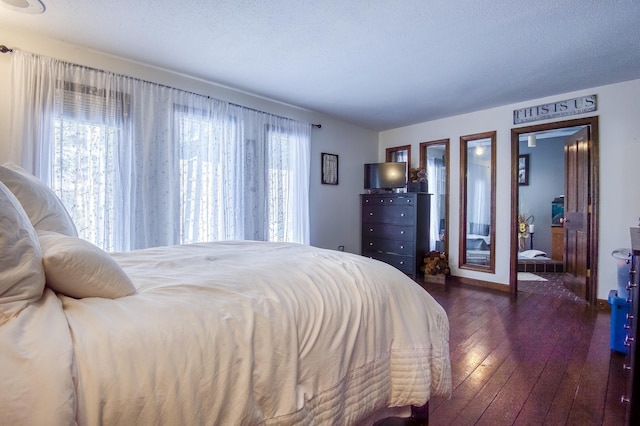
(632, 361)
(395, 229)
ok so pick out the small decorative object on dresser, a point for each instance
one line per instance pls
(436, 267)
(417, 180)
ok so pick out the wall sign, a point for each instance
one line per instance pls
(557, 109)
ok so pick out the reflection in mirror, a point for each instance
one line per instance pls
(399, 154)
(477, 201)
(434, 159)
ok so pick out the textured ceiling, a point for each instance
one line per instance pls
(379, 64)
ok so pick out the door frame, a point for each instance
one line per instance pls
(593, 196)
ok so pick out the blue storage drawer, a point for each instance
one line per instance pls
(619, 310)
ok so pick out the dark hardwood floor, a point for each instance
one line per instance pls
(528, 360)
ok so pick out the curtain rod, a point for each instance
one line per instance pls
(5, 49)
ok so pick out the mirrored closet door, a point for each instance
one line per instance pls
(434, 160)
(477, 201)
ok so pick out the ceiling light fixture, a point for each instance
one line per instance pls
(531, 141)
(33, 7)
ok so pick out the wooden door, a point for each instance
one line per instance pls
(576, 212)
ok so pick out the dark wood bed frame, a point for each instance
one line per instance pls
(420, 415)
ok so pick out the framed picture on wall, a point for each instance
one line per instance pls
(329, 169)
(523, 169)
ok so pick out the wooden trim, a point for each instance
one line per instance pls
(515, 202)
(479, 283)
(423, 153)
(594, 196)
(464, 140)
(393, 149)
(594, 151)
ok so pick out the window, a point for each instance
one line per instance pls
(139, 164)
(200, 178)
(86, 125)
(257, 202)
(278, 188)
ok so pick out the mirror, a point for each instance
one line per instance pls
(434, 159)
(400, 154)
(477, 201)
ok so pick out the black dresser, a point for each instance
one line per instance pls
(632, 360)
(395, 229)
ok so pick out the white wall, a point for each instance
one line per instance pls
(619, 120)
(335, 212)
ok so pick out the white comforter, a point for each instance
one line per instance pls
(230, 333)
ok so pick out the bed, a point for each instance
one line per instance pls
(478, 244)
(235, 332)
(534, 254)
(478, 249)
(538, 261)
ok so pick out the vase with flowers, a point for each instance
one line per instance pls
(436, 267)
(524, 223)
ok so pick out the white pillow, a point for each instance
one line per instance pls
(531, 254)
(77, 268)
(45, 210)
(21, 273)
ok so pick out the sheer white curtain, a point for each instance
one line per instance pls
(478, 206)
(436, 176)
(139, 164)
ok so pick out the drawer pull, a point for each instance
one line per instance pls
(402, 247)
(391, 200)
(624, 399)
(402, 232)
(370, 244)
(370, 229)
(628, 340)
(626, 366)
(401, 214)
(402, 262)
(630, 317)
(370, 213)
(626, 326)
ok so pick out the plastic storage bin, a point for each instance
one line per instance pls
(619, 310)
(623, 261)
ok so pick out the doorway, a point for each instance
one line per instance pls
(577, 230)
